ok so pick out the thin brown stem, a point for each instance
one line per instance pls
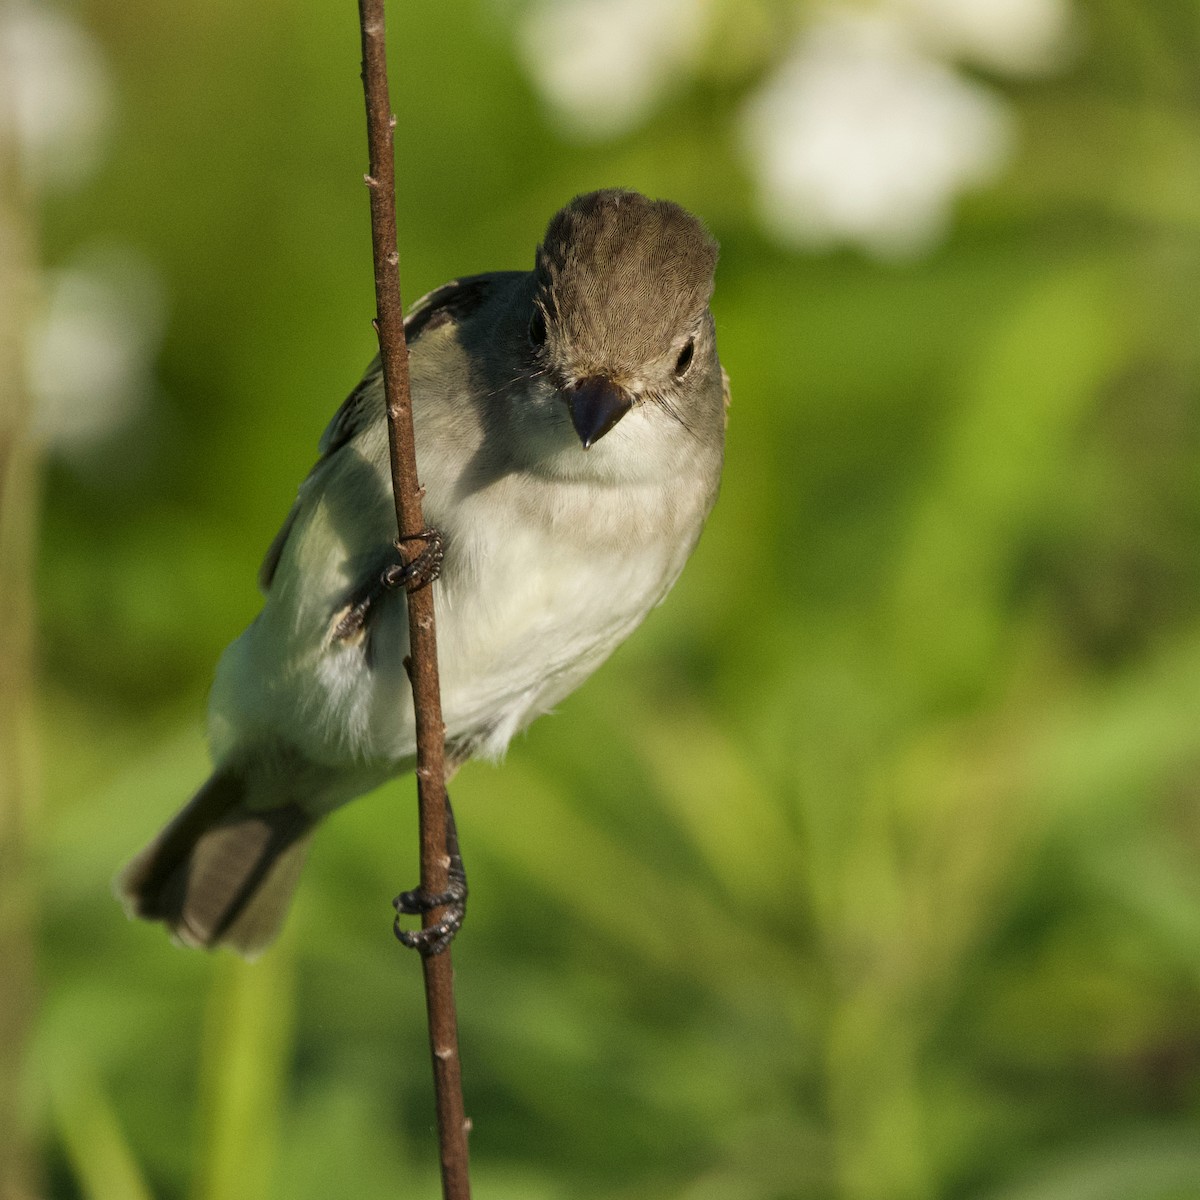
(431, 732)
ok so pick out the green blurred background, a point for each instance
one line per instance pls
(868, 869)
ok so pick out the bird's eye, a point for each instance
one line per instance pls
(537, 328)
(684, 361)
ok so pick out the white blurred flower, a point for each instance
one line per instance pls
(56, 92)
(1019, 36)
(863, 137)
(91, 353)
(603, 64)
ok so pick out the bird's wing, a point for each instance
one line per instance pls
(451, 302)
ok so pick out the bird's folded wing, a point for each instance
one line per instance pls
(451, 302)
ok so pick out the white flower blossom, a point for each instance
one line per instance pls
(91, 351)
(1014, 36)
(863, 137)
(56, 93)
(603, 64)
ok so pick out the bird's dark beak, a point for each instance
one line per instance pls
(597, 404)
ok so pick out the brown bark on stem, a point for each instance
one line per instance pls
(431, 732)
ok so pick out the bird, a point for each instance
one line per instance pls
(570, 430)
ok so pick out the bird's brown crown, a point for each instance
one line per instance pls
(621, 277)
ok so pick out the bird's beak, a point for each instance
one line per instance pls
(597, 404)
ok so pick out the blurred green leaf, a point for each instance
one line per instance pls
(101, 1158)
(247, 1039)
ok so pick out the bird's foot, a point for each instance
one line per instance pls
(421, 570)
(434, 938)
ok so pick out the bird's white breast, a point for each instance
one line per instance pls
(540, 584)
(532, 606)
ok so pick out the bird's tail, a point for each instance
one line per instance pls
(221, 873)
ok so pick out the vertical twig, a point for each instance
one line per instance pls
(431, 780)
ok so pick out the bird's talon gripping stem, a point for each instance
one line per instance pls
(433, 939)
(421, 570)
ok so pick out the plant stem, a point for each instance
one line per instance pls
(431, 732)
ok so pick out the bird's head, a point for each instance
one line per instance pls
(619, 316)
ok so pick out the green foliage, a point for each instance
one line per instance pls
(867, 869)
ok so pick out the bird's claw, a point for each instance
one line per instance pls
(421, 570)
(436, 937)
(433, 939)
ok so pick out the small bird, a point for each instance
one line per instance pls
(570, 429)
